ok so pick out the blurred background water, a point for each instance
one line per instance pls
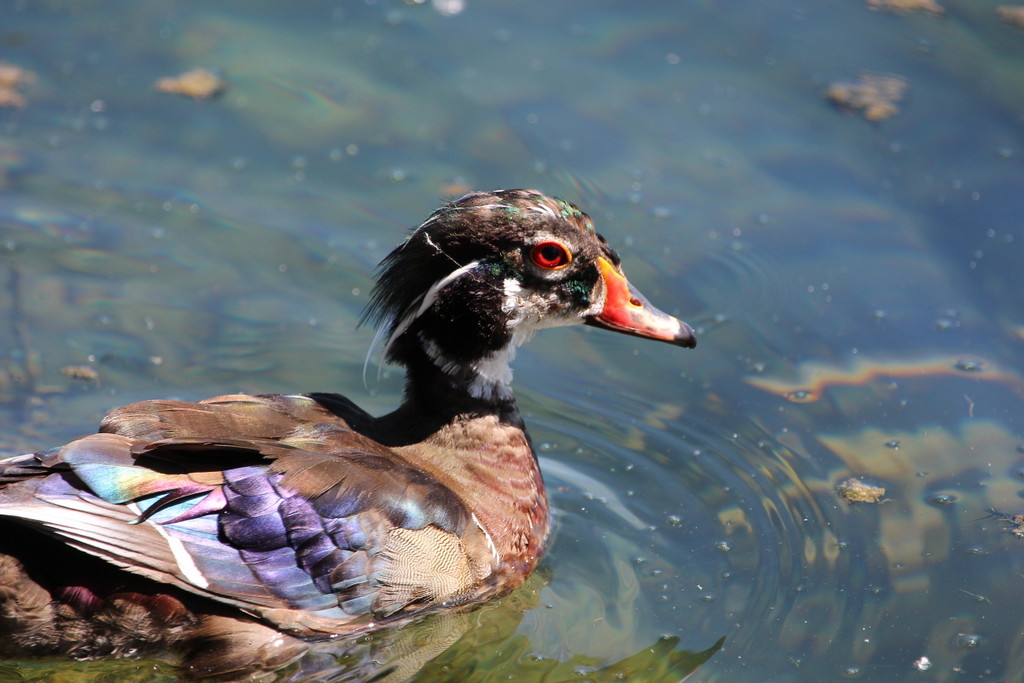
(857, 285)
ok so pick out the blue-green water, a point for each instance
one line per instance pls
(857, 287)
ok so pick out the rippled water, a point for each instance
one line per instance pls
(856, 285)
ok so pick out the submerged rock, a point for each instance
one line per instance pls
(854, 490)
(907, 6)
(199, 84)
(875, 96)
(1012, 14)
(13, 80)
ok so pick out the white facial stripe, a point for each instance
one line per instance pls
(426, 301)
(544, 210)
(431, 296)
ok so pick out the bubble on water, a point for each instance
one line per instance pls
(942, 499)
(968, 641)
(969, 365)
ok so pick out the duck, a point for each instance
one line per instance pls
(303, 514)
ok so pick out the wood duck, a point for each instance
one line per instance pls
(303, 511)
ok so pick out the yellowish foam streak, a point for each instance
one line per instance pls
(814, 377)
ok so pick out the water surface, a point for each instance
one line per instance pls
(856, 285)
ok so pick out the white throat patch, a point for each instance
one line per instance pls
(493, 373)
(527, 312)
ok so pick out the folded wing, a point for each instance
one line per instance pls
(295, 518)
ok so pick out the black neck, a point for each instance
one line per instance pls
(441, 395)
(433, 399)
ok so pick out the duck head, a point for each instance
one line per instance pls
(485, 272)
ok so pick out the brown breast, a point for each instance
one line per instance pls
(492, 468)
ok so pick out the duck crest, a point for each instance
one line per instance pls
(304, 511)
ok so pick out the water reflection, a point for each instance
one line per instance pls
(750, 522)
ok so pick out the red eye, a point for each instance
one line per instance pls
(550, 255)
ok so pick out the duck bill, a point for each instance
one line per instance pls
(626, 310)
